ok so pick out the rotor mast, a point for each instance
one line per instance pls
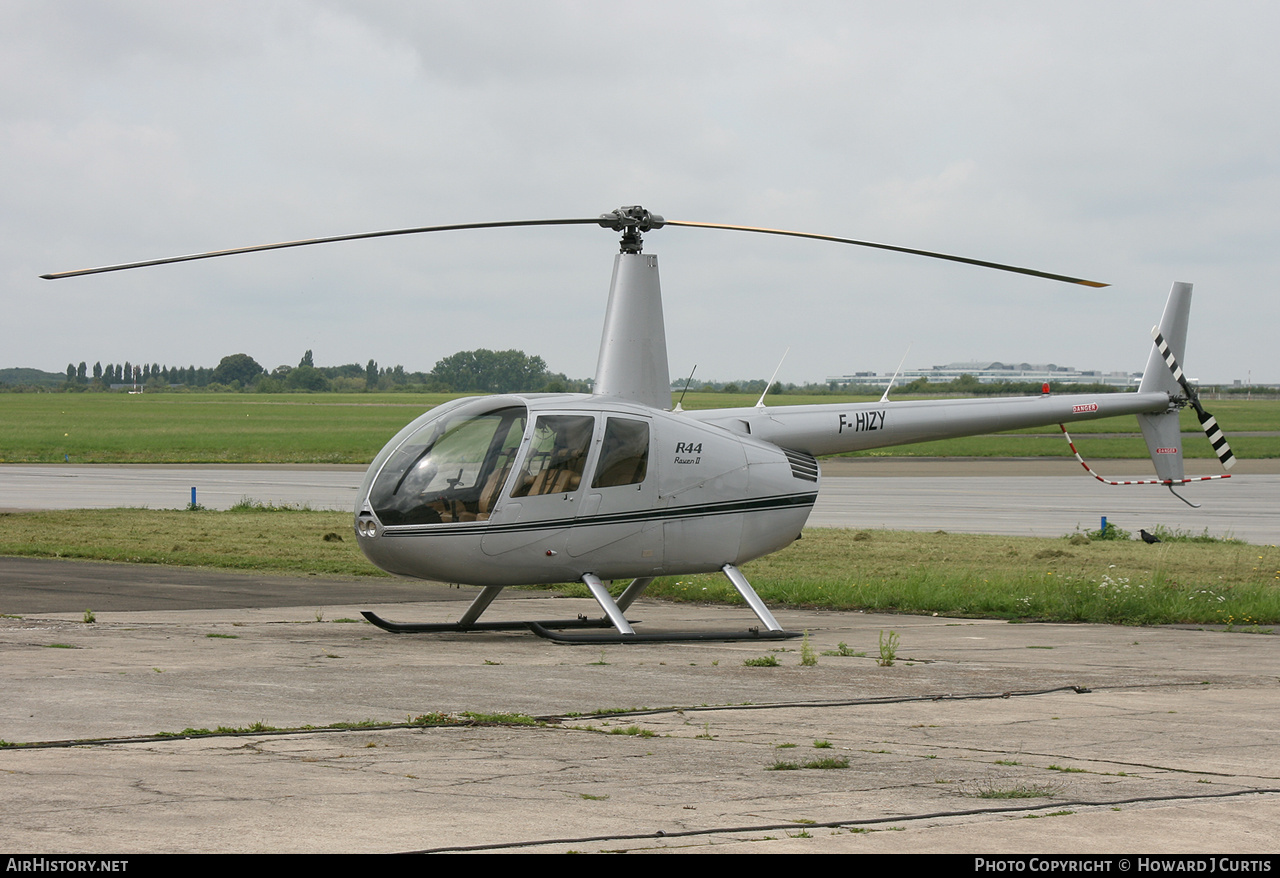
(633, 346)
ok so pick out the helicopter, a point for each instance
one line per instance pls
(619, 485)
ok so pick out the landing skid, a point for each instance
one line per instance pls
(552, 629)
(445, 627)
(661, 636)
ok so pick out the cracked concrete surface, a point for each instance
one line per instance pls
(979, 727)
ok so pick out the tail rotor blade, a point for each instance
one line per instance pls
(1172, 362)
(1208, 422)
(1216, 438)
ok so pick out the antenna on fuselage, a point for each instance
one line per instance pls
(896, 372)
(760, 401)
(678, 407)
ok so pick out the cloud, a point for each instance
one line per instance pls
(1133, 143)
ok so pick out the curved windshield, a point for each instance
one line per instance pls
(452, 468)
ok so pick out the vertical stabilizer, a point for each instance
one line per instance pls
(1162, 432)
(1173, 326)
(633, 347)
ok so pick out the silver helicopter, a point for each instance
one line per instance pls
(616, 485)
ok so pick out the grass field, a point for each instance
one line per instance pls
(351, 428)
(1069, 579)
(203, 428)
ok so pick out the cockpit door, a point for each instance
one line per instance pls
(541, 499)
(615, 515)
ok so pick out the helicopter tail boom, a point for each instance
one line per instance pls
(838, 429)
(835, 429)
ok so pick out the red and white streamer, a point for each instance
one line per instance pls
(1134, 481)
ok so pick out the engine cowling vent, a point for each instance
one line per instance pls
(803, 466)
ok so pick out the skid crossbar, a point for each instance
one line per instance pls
(614, 617)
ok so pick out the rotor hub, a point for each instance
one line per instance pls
(631, 221)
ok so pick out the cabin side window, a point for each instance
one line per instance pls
(557, 455)
(624, 454)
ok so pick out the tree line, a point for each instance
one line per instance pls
(480, 371)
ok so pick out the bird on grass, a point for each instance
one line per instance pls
(1148, 538)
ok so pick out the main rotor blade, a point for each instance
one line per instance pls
(618, 220)
(309, 241)
(996, 265)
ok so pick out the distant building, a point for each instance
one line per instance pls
(986, 372)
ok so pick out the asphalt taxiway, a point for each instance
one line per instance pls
(1031, 497)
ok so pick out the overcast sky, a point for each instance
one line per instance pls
(1128, 142)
